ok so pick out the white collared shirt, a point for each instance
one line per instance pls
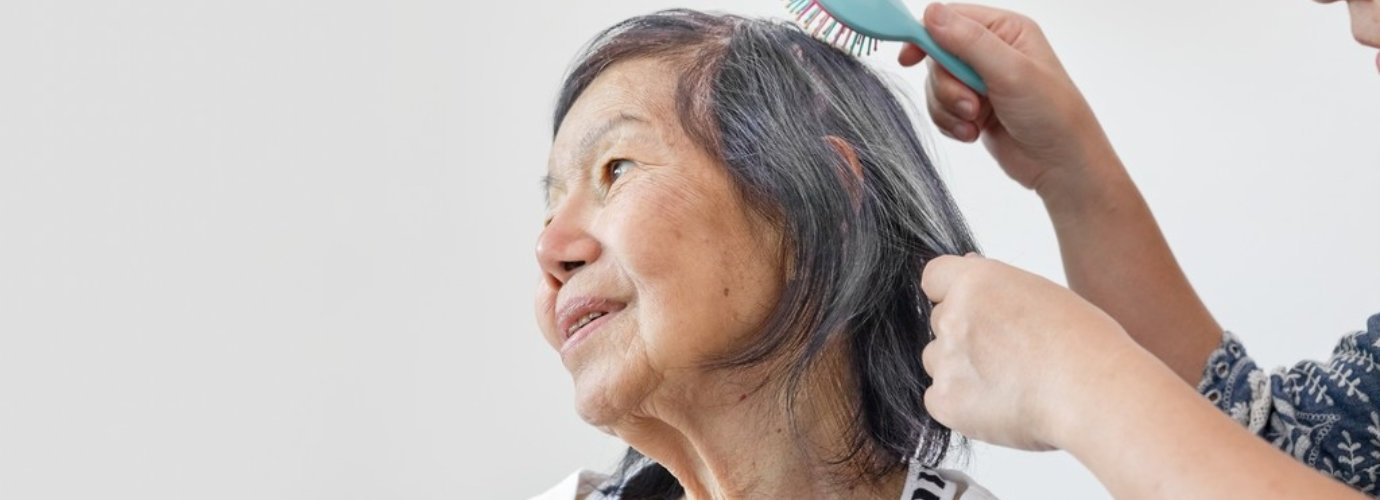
(922, 483)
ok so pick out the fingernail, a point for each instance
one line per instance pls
(939, 14)
(966, 108)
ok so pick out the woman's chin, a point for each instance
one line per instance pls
(610, 384)
(597, 409)
(603, 399)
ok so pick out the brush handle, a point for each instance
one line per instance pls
(957, 67)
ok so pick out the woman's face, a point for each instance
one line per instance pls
(647, 235)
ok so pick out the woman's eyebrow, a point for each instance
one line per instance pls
(596, 134)
(551, 183)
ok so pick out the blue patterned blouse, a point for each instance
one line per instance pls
(1323, 414)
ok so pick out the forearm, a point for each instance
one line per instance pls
(1116, 257)
(1147, 436)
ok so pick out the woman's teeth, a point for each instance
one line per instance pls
(583, 321)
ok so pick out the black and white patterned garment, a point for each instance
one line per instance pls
(922, 483)
(1324, 414)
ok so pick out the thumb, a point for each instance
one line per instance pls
(993, 58)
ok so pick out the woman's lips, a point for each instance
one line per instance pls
(579, 316)
(585, 331)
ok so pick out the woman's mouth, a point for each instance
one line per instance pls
(584, 321)
(584, 328)
(581, 316)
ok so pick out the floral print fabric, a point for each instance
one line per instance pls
(1324, 414)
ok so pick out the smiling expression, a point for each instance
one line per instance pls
(652, 263)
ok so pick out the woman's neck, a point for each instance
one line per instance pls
(735, 439)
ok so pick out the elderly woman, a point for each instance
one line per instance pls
(738, 217)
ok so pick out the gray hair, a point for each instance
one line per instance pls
(781, 111)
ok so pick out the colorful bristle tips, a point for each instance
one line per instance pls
(812, 18)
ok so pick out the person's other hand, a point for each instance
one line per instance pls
(1033, 120)
(1016, 359)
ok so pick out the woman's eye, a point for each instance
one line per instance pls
(617, 168)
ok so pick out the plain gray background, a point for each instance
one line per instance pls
(283, 249)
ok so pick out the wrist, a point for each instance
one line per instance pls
(1089, 184)
(1097, 382)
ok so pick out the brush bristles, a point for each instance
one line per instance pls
(812, 17)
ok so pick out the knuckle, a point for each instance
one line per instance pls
(946, 323)
(951, 91)
(933, 92)
(934, 397)
(984, 110)
(929, 358)
(944, 86)
(943, 261)
(1019, 72)
(1025, 20)
(931, 270)
(949, 133)
(937, 402)
(943, 120)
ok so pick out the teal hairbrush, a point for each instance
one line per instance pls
(855, 26)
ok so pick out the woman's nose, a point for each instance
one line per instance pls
(563, 248)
